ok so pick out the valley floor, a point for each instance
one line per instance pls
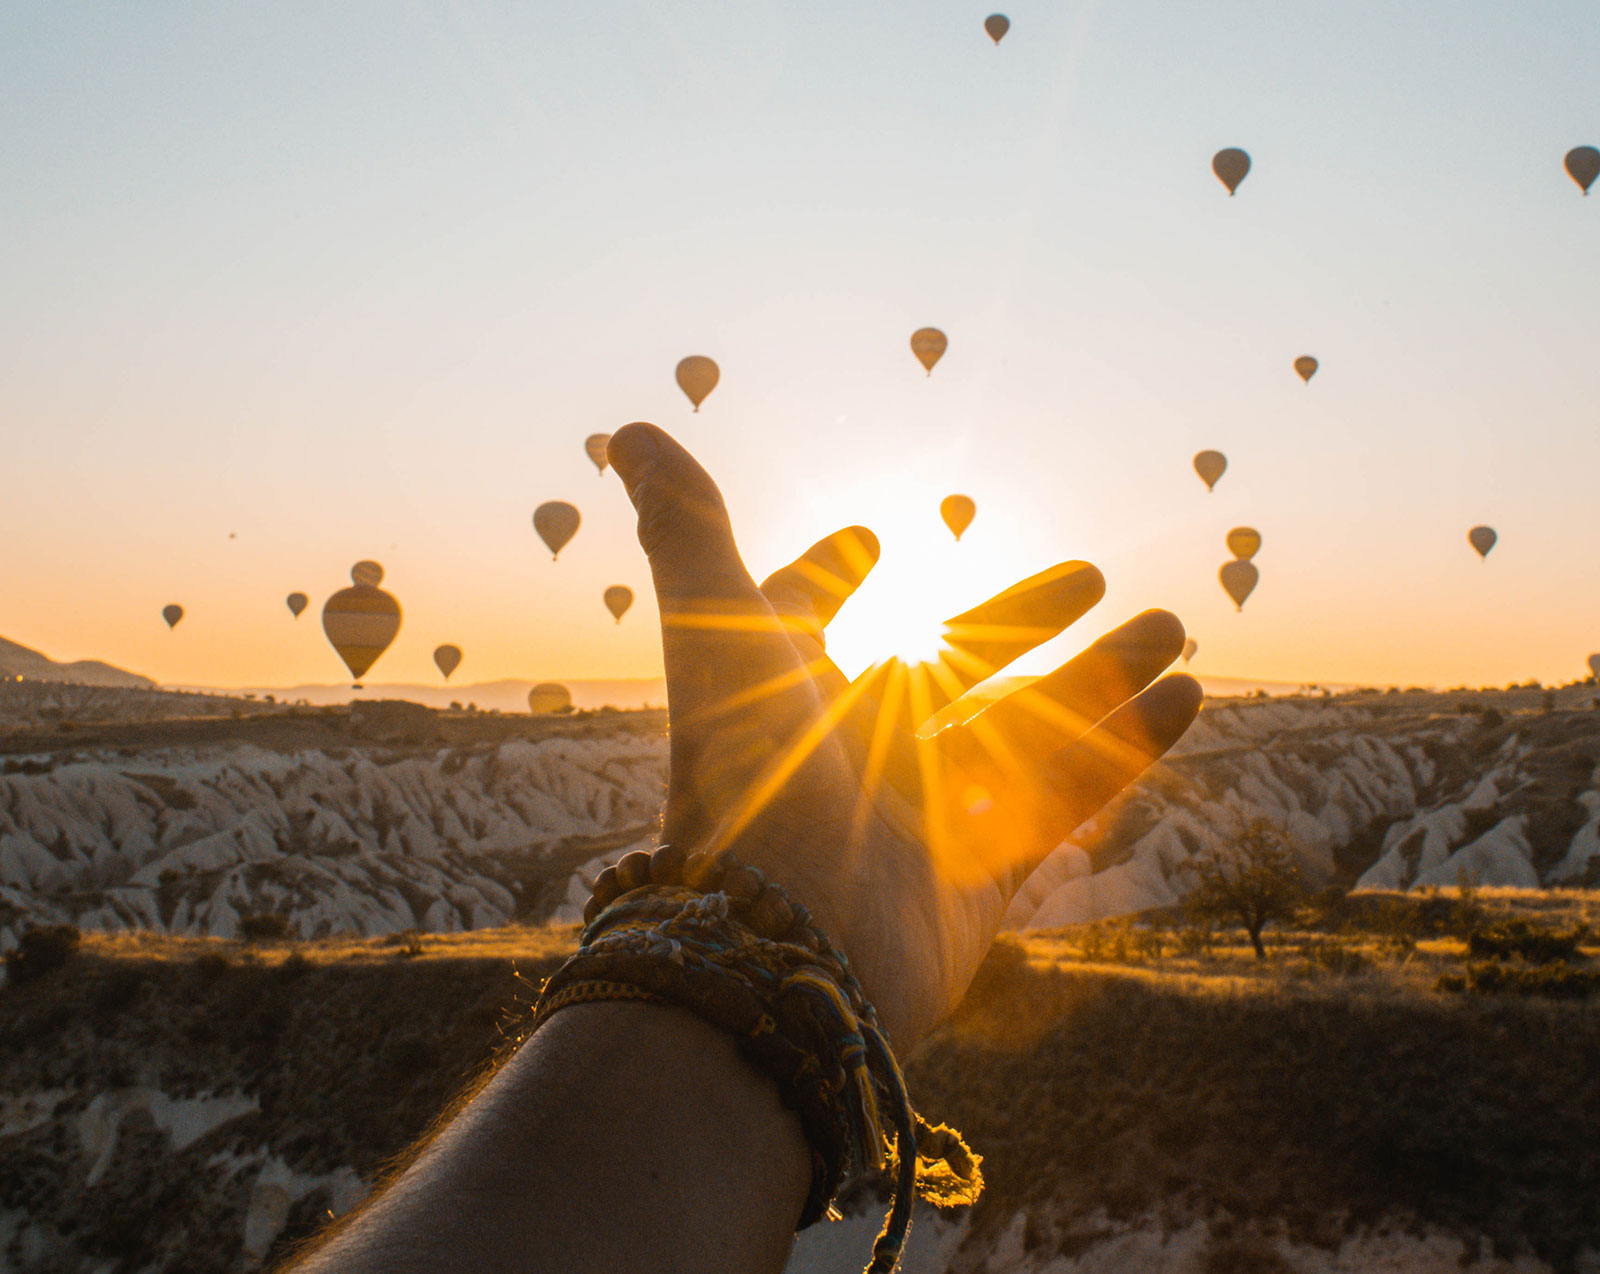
(198, 1104)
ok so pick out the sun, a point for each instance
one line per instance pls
(922, 578)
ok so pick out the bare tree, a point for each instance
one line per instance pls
(1251, 882)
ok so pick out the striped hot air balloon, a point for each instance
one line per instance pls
(361, 622)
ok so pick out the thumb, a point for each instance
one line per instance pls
(683, 523)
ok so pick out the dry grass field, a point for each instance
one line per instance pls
(1107, 1072)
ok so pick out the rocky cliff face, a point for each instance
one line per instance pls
(1390, 791)
(361, 840)
(367, 837)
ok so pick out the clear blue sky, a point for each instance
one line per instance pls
(356, 280)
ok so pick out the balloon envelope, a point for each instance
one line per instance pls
(297, 603)
(1244, 542)
(697, 377)
(1239, 579)
(361, 623)
(172, 614)
(595, 446)
(1190, 647)
(1482, 538)
(548, 697)
(928, 344)
(1210, 465)
(1594, 667)
(997, 24)
(957, 512)
(618, 598)
(1583, 165)
(556, 522)
(1231, 165)
(1306, 366)
(368, 574)
(448, 658)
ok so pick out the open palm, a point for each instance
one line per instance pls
(905, 841)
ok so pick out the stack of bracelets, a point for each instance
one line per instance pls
(705, 933)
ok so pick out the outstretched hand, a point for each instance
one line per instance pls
(906, 846)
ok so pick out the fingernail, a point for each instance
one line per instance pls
(631, 450)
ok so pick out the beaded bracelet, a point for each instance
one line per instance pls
(706, 933)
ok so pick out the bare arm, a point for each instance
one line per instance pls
(630, 1137)
(619, 1138)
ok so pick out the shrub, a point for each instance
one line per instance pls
(41, 949)
(212, 965)
(1336, 958)
(1517, 936)
(294, 966)
(263, 926)
(1492, 977)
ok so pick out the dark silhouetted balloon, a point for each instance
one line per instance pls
(697, 377)
(361, 623)
(448, 659)
(1483, 539)
(172, 614)
(957, 512)
(595, 445)
(1244, 542)
(928, 344)
(1583, 166)
(1231, 166)
(1210, 465)
(618, 598)
(548, 697)
(1190, 648)
(367, 573)
(297, 603)
(556, 522)
(997, 24)
(1239, 579)
(1594, 667)
(1306, 366)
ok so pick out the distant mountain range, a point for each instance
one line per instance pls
(506, 695)
(30, 665)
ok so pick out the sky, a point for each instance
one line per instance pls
(289, 286)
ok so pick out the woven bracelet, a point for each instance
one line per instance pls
(707, 934)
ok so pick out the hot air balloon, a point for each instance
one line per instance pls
(928, 344)
(1190, 648)
(1231, 165)
(1483, 539)
(595, 445)
(368, 574)
(361, 622)
(618, 598)
(172, 614)
(1210, 465)
(556, 522)
(548, 697)
(697, 377)
(448, 658)
(1306, 366)
(1594, 667)
(297, 603)
(1583, 166)
(1244, 542)
(1239, 579)
(957, 512)
(997, 24)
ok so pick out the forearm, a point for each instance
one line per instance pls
(621, 1137)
